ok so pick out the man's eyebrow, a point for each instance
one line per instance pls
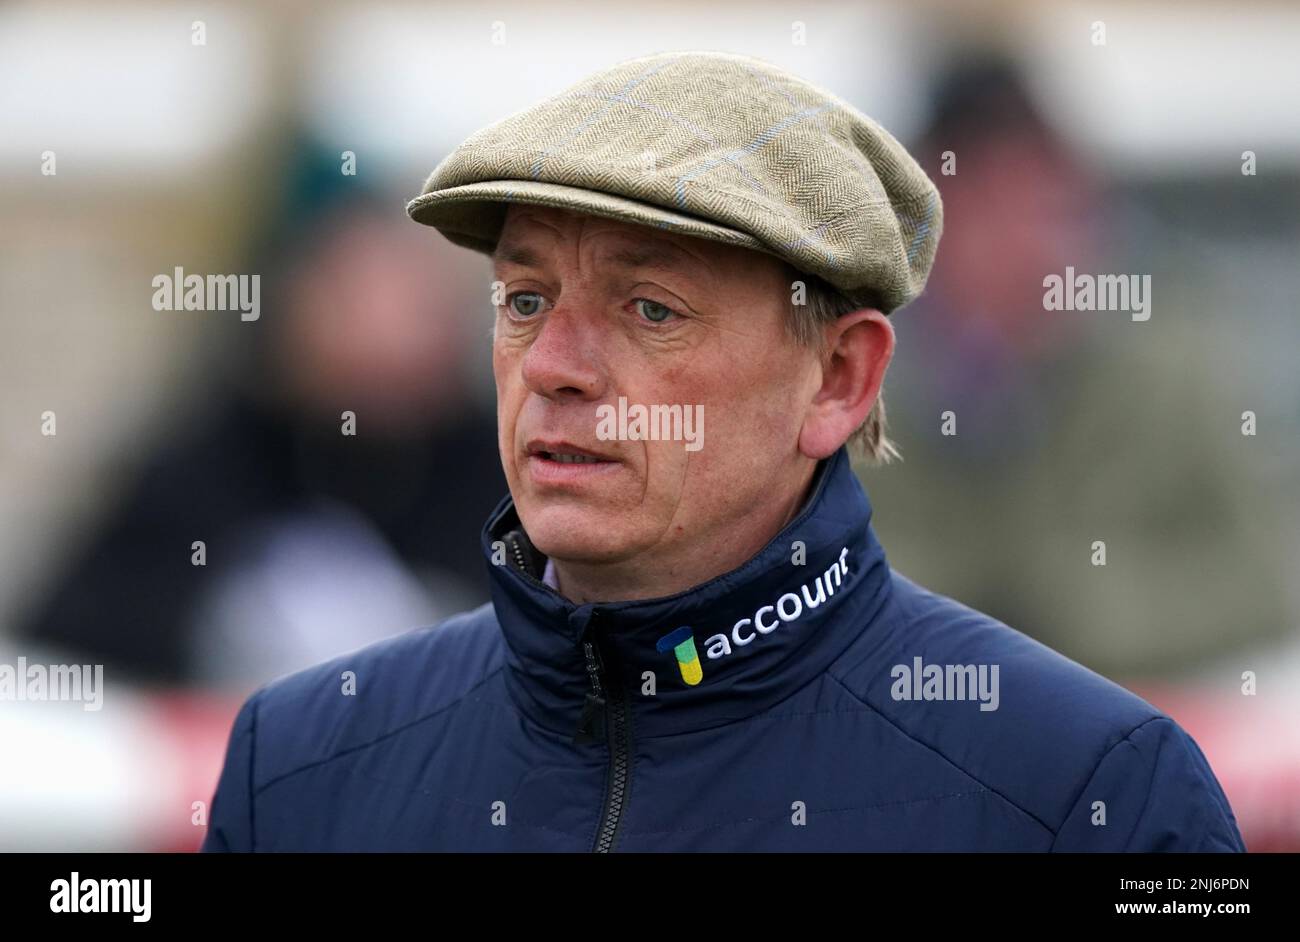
(655, 256)
(516, 255)
(643, 256)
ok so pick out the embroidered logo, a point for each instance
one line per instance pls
(682, 643)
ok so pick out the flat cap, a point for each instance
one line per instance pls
(712, 145)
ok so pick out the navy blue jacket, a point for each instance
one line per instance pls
(836, 706)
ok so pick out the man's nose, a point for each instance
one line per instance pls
(563, 361)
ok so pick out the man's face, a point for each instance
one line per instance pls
(595, 310)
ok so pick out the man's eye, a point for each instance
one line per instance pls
(525, 303)
(654, 311)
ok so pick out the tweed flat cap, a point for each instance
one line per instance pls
(713, 145)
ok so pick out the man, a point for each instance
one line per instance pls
(695, 641)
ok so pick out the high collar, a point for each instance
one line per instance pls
(812, 590)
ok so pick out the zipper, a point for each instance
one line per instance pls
(515, 543)
(606, 712)
(519, 556)
(591, 724)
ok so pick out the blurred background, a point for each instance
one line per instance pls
(283, 139)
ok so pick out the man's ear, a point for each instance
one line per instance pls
(859, 347)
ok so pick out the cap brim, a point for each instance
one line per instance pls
(472, 215)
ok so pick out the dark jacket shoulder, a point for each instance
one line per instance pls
(1097, 766)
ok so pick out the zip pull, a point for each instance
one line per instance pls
(591, 724)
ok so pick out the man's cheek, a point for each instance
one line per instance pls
(507, 371)
(771, 404)
(508, 408)
(664, 468)
(509, 345)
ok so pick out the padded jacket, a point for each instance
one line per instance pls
(812, 699)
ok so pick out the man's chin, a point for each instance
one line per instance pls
(578, 534)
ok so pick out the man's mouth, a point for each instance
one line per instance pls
(570, 459)
(566, 454)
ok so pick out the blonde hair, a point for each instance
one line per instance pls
(822, 304)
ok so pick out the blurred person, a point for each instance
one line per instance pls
(1069, 427)
(1022, 206)
(316, 541)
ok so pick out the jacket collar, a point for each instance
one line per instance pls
(761, 631)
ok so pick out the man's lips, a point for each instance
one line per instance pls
(562, 452)
(560, 462)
